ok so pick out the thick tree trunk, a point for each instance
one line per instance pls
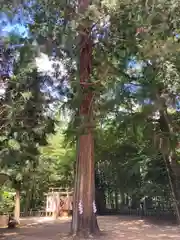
(17, 206)
(84, 222)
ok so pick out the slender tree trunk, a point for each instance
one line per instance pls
(112, 200)
(175, 166)
(123, 200)
(116, 200)
(27, 202)
(173, 187)
(109, 198)
(167, 153)
(84, 222)
(17, 206)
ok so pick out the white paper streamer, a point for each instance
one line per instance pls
(94, 207)
(80, 207)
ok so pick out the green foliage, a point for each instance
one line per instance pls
(135, 164)
(127, 99)
(60, 158)
(24, 121)
(6, 200)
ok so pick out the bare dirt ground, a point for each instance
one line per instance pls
(112, 227)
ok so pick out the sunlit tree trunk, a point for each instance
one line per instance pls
(17, 206)
(84, 222)
(123, 200)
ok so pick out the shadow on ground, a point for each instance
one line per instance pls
(37, 231)
(113, 227)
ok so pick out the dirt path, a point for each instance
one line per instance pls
(114, 227)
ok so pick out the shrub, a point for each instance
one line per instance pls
(6, 201)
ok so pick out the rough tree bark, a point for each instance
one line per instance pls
(84, 222)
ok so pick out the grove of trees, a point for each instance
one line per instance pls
(105, 120)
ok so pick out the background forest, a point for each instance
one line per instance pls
(136, 83)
